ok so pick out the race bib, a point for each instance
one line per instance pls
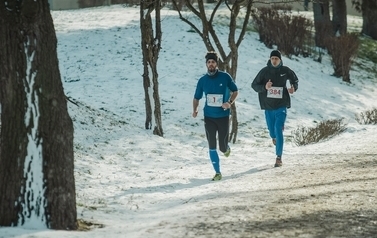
(214, 100)
(275, 92)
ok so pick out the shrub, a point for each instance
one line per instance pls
(367, 117)
(343, 50)
(293, 34)
(264, 20)
(290, 33)
(324, 130)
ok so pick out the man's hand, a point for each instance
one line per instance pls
(226, 105)
(291, 90)
(194, 114)
(195, 104)
(268, 84)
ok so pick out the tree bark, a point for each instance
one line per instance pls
(369, 12)
(322, 22)
(36, 158)
(151, 46)
(339, 19)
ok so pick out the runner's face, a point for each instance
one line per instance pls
(275, 61)
(211, 65)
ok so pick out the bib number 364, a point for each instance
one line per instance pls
(275, 92)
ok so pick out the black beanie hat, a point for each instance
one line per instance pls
(275, 53)
(212, 55)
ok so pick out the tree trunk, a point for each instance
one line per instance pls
(36, 159)
(146, 78)
(322, 22)
(151, 46)
(339, 19)
(231, 67)
(306, 5)
(369, 12)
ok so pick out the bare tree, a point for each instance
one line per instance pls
(36, 156)
(151, 45)
(339, 18)
(228, 61)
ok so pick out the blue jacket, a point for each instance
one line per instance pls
(279, 76)
(216, 89)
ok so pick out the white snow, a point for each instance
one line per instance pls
(33, 208)
(137, 184)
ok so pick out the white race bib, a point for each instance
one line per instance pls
(275, 92)
(214, 100)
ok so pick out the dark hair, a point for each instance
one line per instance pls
(212, 55)
(275, 53)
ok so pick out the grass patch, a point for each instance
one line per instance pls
(367, 57)
(87, 225)
(368, 49)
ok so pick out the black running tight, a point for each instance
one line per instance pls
(214, 126)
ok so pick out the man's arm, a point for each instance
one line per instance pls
(257, 83)
(195, 105)
(233, 97)
(293, 80)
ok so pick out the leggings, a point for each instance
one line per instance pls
(214, 126)
(275, 122)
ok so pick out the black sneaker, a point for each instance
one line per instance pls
(278, 162)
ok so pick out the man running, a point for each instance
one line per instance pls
(274, 99)
(220, 91)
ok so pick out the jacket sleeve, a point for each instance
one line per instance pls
(293, 79)
(258, 84)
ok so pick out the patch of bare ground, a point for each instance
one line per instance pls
(319, 196)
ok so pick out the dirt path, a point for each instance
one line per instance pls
(326, 196)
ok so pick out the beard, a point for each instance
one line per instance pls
(211, 69)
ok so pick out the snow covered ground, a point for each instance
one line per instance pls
(130, 183)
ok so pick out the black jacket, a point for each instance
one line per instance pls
(279, 76)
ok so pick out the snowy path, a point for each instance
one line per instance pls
(314, 198)
(312, 195)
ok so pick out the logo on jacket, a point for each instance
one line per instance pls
(281, 75)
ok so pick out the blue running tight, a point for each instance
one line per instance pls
(275, 123)
(214, 156)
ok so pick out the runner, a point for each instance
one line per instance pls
(274, 99)
(220, 92)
